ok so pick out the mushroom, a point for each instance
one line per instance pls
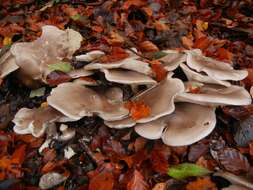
(53, 45)
(114, 94)
(127, 77)
(215, 69)
(7, 64)
(173, 59)
(67, 133)
(77, 73)
(34, 121)
(187, 125)
(160, 105)
(76, 101)
(86, 81)
(216, 95)
(195, 76)
(51, 179)
(235, 187)
(130, 63)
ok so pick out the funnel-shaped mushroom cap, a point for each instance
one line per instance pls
(53, 45)
(90, 56)
(160, 98)
(79, 73)
(217, 95)
(173, 59)
(187, 125)
(194, 76)
(76, 101)
(127, 77)
(215, 69)
(7, 64)
(34, 121)
(130, 63)
(114, 94)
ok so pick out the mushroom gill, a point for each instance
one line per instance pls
(76, 101)
(187, 125)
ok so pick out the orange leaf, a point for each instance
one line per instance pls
(159, 70)
(102, 181)
(251, 149)
(137, 3)
(116, 54)
(224, 55)
(202, 43)
(138, 109)
(187, 42)
(18, 156)
(148, 46)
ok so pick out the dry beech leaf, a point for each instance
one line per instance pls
(232, 160)
(137, 182)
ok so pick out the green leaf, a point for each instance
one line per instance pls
(185, 170)
(75, 17)
(158, 55)
(38, 92)
(60, 66)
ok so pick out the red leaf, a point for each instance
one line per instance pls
(137, 182)
(57, 77)
(148, 46)
(138, 109)
(137, 3)
(202, 43)
(116, 54)
(18, 156)
(160, 72)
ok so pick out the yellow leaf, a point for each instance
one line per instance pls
(7, 41)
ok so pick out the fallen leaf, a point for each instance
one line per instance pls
(37, 92)
(201, 184)
(148, 46)
(60, 66)
(185, 170)
(138, 109)
(137, 182)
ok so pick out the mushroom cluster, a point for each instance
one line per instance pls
(181, 112)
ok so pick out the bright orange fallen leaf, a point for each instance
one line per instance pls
(159, 70)
(138, 109)
(148, 46)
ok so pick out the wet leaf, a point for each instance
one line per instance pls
(60, 66)
(232, 160)
(185, 170)
(244, 133)
(38, 92)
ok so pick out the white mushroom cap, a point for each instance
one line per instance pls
(86, 82)
(67, 133)
(187, 125)
(53, 45)
(34, 121)
(216, 69)
(217, 95)
(114, 94)
(160, 98)
(235, 187)
(7, 64)
(130, 63)
(76, 101)
(90, 56)
(127, 77)
(194, 76)
(51, 179)
(173, 59)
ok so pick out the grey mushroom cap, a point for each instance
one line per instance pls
(187, 125)
(195, 76)
(90, 56)
(76, 101)
(7, 64)
(77, 73)
(51, 47)
(217, 95)
(215, 69)
(235, 187)
(35, 121)
(173, 59)
(127, 77)
(160, 98)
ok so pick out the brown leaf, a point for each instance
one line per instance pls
(137, 182)
(201, 184)
(148, 46)
(18, 156)
(232, 160)
(197, 150)
(57, 77)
